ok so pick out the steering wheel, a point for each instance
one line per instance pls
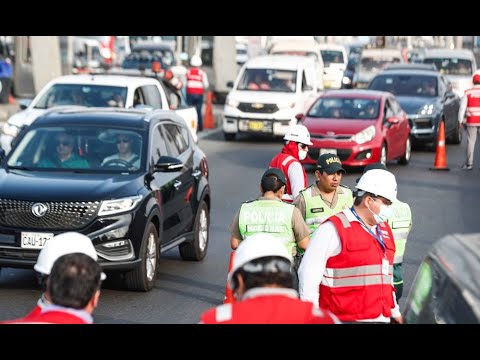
(115, 162)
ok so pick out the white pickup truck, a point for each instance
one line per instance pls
(94, 90)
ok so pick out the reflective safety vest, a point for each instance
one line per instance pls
(195, 81)
(355, 286)
(283, 162)
(400, 222)
(316, 211)
(268, 216)
(473, 105)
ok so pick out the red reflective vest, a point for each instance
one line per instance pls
(353, 286)
(49, 317)
(280, 308)
(283, 162)
(195, 81)
(473, 105)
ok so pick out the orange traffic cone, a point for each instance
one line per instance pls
(441, 154)
(11, 100)
(208, 119)
(228, 292)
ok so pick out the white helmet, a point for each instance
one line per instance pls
(63, 244)
(196, 60)
(298, 133)
(379, 182)
(257, 246)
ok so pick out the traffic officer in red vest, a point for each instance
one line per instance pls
(348, 265)
(262, 283)
(74, 287)
(469, 116)
(296, 149)
(197, 83)
(59, 245)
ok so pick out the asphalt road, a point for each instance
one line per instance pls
(441, 202)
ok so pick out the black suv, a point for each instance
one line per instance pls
(134, 181)
(425, 95)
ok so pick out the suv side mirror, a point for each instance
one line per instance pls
(168, 164)
(230, 84)
(24, 103)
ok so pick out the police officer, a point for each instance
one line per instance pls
(324, 198)
(401, 223)
(262, 283)
(269, 214)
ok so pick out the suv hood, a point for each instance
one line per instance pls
(265, 97)
(413, 104)
(25, 117)
(54, 186)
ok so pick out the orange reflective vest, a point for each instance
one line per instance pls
(358, 283)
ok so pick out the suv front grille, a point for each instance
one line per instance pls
(69, 215)
(258, 108)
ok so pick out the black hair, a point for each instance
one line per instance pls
(73, 281)
(271, 183)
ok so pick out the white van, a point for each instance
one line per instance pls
(334, 62)
(302, 47)
(268, 94)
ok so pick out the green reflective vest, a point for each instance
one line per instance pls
(316, 211)
(401, 223)
(268, 216)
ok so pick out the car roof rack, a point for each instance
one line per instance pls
(411, 66)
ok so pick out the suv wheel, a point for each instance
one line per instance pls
(143, 277)
(197, 248)
(457, 135)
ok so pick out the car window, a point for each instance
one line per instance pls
(452, 66)
(82, 95)
(388, 111)
(332, 56)
(158, 147)
(268, 80)
(345, 108)
(174, 139)
(138, 97)
(396, 108)
(152, 96)
(78, 147)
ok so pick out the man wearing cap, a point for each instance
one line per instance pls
(324, 198)
(269, 214)
(59, 245)
(348, 265)
(74, 288)
(401, 223)
(263, 287)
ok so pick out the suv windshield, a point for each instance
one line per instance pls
(451, 66)
(83, 95)
(406, 85)
(92, 149)
(268, 80)
(345, 108)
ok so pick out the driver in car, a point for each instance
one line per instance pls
(64, 156)
(125, 156)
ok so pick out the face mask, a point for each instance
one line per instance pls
(302, 154)
(383, 215)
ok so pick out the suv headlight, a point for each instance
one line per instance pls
(11, 130)
(232, 102)
(110, 207)
(365, 135)
(427, 109)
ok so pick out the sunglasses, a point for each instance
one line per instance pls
(123, 141)
(64, 143)
(303, 146)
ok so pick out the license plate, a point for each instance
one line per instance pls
(34, 240)
(255, 125)
(328, 151)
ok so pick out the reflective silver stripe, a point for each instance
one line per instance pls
(287, 197)
(223, 313)
(317, 312)
(357, 281)
(343, 219)
(317, 220)
(355, 271)
(400, 235)
(290, 157)
(398, 259)
(195, 84)
(473, 113)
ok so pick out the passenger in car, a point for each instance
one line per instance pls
(64, 156)
(125, 156)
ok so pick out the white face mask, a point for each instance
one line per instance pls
(383, 215)
(302, 154)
